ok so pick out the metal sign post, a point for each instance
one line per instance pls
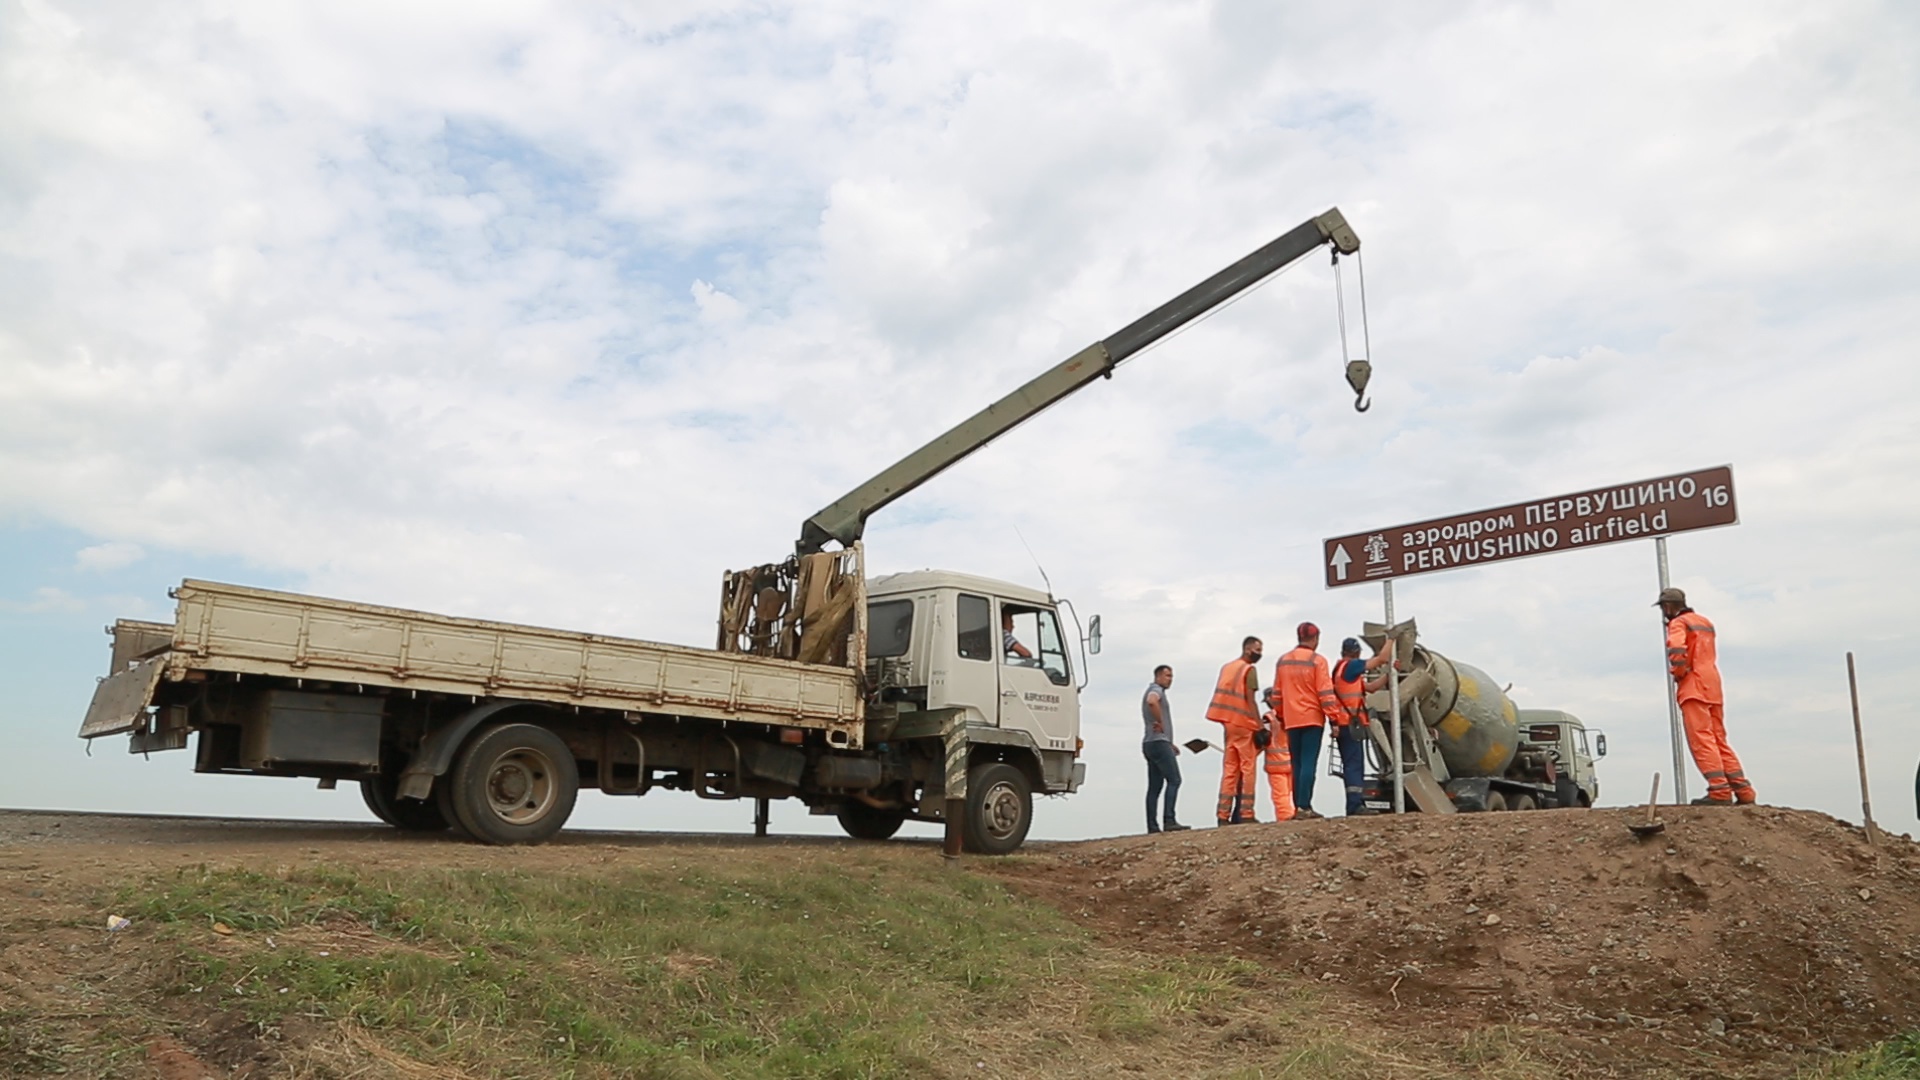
(1393, 688)
(1673, 701)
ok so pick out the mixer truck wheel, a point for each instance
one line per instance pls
(1521, 801)
(999, 808)
(863, 822)
(1496, 800)
(408, 815)
(513, 784)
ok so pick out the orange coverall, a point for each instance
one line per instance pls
(1232, 707)
(1279, 766)
(1692, 658)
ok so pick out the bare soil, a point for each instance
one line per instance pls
(1737, 943)
(1733, 943)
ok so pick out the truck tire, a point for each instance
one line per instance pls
(1496, 800)
(863, 822)
(1522, 801)
(999, 808)
(513, 784)
(407, 815)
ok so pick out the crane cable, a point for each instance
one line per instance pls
(1358, 371)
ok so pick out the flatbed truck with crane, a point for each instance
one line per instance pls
(876, 702)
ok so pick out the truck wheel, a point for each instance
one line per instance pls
(863, 822)
(382, 807)
(999, 808)
(1566, 793)
(1496, 800)
(513, 784)
(1522, 801)
(408, 815)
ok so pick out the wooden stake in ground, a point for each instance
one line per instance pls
(1860, 749)
(1650, 826)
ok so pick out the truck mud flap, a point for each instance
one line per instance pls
(1426, 792)
(120, 701)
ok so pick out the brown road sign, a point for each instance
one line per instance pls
(1700, 499)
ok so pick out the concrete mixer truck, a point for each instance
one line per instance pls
(1465, 746)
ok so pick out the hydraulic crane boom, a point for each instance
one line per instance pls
(846, 519)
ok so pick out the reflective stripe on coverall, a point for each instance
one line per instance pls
(1279, 766)
(1232, 707)
(1692, 658)
(1305, 689)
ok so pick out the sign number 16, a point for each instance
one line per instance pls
(1718, 495)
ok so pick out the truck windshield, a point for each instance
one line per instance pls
(889, 628)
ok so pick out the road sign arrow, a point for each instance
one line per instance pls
(1339, 562)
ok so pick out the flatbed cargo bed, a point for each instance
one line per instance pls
(230, 630)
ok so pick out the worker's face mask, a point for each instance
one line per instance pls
(1255, 658)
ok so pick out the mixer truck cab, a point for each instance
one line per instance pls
(993, 657)
(1567, 749)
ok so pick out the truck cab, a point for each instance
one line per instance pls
(1561, 738)
(993, 657)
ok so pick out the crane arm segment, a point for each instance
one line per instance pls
(846, 518)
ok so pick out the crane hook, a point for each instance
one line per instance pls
(1358, 372)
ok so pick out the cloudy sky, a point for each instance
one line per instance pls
(553, 313)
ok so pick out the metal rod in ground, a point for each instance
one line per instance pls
(1673, 702)
(762, 811)
(1393, 689)
(1860, 750)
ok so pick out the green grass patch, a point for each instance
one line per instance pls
(796, 970)
(1895, 1059)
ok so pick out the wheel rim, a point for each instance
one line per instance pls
(521, 787)
(1000, 810)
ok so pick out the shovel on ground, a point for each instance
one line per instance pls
(1652, 826)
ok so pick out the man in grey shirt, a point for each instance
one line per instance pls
(1160, 752)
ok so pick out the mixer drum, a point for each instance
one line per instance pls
(1472, 719)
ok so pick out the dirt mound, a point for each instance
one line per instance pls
(1738, 938)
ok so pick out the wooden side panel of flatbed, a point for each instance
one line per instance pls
(230, 628)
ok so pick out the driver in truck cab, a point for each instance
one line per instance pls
(1010, 644)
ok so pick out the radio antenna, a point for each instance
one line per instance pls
(1036, 560)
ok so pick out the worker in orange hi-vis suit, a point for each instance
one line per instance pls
(1233, 708)
(1692, 658)
(1278, 761)
(1306, 703)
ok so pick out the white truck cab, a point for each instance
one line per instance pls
(994, 657)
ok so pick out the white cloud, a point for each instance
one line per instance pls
(398, 303)
(112, 555)
(45, 600)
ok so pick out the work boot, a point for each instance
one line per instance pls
(1174, 826)
(1151, 829)
(1306, 813)
(1708, 800)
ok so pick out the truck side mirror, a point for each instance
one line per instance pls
(1600, 744)
(1093, 635)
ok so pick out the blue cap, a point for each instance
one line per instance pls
(1350, 645)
